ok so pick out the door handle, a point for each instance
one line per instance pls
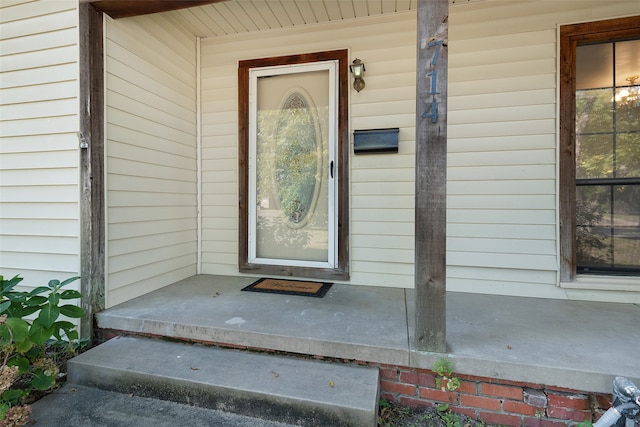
(331, 168)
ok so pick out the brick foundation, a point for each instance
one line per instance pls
(490, 400)
(493, 401)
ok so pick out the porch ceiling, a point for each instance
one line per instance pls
(215, 18)
(227, 17)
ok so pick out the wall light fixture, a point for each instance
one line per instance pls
(357, 68)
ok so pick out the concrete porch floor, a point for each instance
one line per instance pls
(573, 344)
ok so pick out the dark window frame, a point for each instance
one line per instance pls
(570, 37)
(341, 272)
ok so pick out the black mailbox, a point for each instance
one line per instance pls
(375, 141)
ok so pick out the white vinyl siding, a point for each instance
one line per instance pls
(39, 191)
(502, 196)
(502, 224)
(151, 156)
(382, 186)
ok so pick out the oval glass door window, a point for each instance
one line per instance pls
(298, 167)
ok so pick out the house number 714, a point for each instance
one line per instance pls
(433, 75)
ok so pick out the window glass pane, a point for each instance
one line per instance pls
(626, 223)
(628, 155)
(627, 61)
(628, 109)
(627, 79)
(594, 156)
(594, 66)
(608, 157)
(594, 111)
(292, 196)
(593, 226)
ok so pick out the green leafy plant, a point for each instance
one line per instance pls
(445, 380)
(451, 419)
(28, 321)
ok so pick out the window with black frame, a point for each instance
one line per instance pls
(608, 158)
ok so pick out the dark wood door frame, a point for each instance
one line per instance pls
(341, 272)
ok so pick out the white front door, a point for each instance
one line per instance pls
(292, 204)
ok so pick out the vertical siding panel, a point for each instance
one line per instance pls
(151, 156)
(39, 193)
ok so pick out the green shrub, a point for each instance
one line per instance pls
(28, 322)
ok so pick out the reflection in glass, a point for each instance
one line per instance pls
(628, 107)
(594, 156)
(593, 227)
(608, 227)
(292, 221)
(627, 61)
(298, 161)
(608, 158)
(594, 111)
(594, 66)
(628, 155)
(626, 226)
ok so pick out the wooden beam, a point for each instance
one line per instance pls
(125, 8)
(567, 173)
(431, 175)
(92, 210)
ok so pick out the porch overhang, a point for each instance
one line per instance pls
(126, 8)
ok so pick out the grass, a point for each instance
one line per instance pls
(394, 415)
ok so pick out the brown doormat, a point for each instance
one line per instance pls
(289, 287)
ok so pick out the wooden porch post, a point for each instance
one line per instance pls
(431, 175)
(91, 140)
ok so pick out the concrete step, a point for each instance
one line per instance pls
(278, 388)
(74, 405)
